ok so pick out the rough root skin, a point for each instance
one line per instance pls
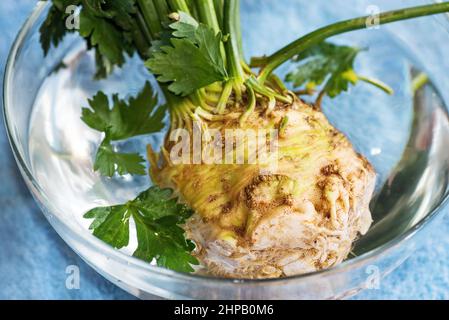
(302, 215)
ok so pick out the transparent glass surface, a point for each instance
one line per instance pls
(404, 136)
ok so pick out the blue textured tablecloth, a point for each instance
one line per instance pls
(33, 259)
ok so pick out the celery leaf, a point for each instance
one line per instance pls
(126, 119)
(191, 60)
(331, 67)
(326, 64)
(157, 217)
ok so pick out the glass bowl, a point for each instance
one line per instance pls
(404, 136)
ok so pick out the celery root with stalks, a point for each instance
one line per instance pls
(298, 211)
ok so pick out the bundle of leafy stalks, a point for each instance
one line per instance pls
(227, 207)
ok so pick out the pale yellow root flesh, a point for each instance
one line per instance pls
(264, 221)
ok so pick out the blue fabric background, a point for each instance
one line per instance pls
(33, 259)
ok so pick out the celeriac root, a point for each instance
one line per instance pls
(264, 221)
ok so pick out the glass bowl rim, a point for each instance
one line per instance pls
(133, 262)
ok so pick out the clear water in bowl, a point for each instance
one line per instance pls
(402, 135)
